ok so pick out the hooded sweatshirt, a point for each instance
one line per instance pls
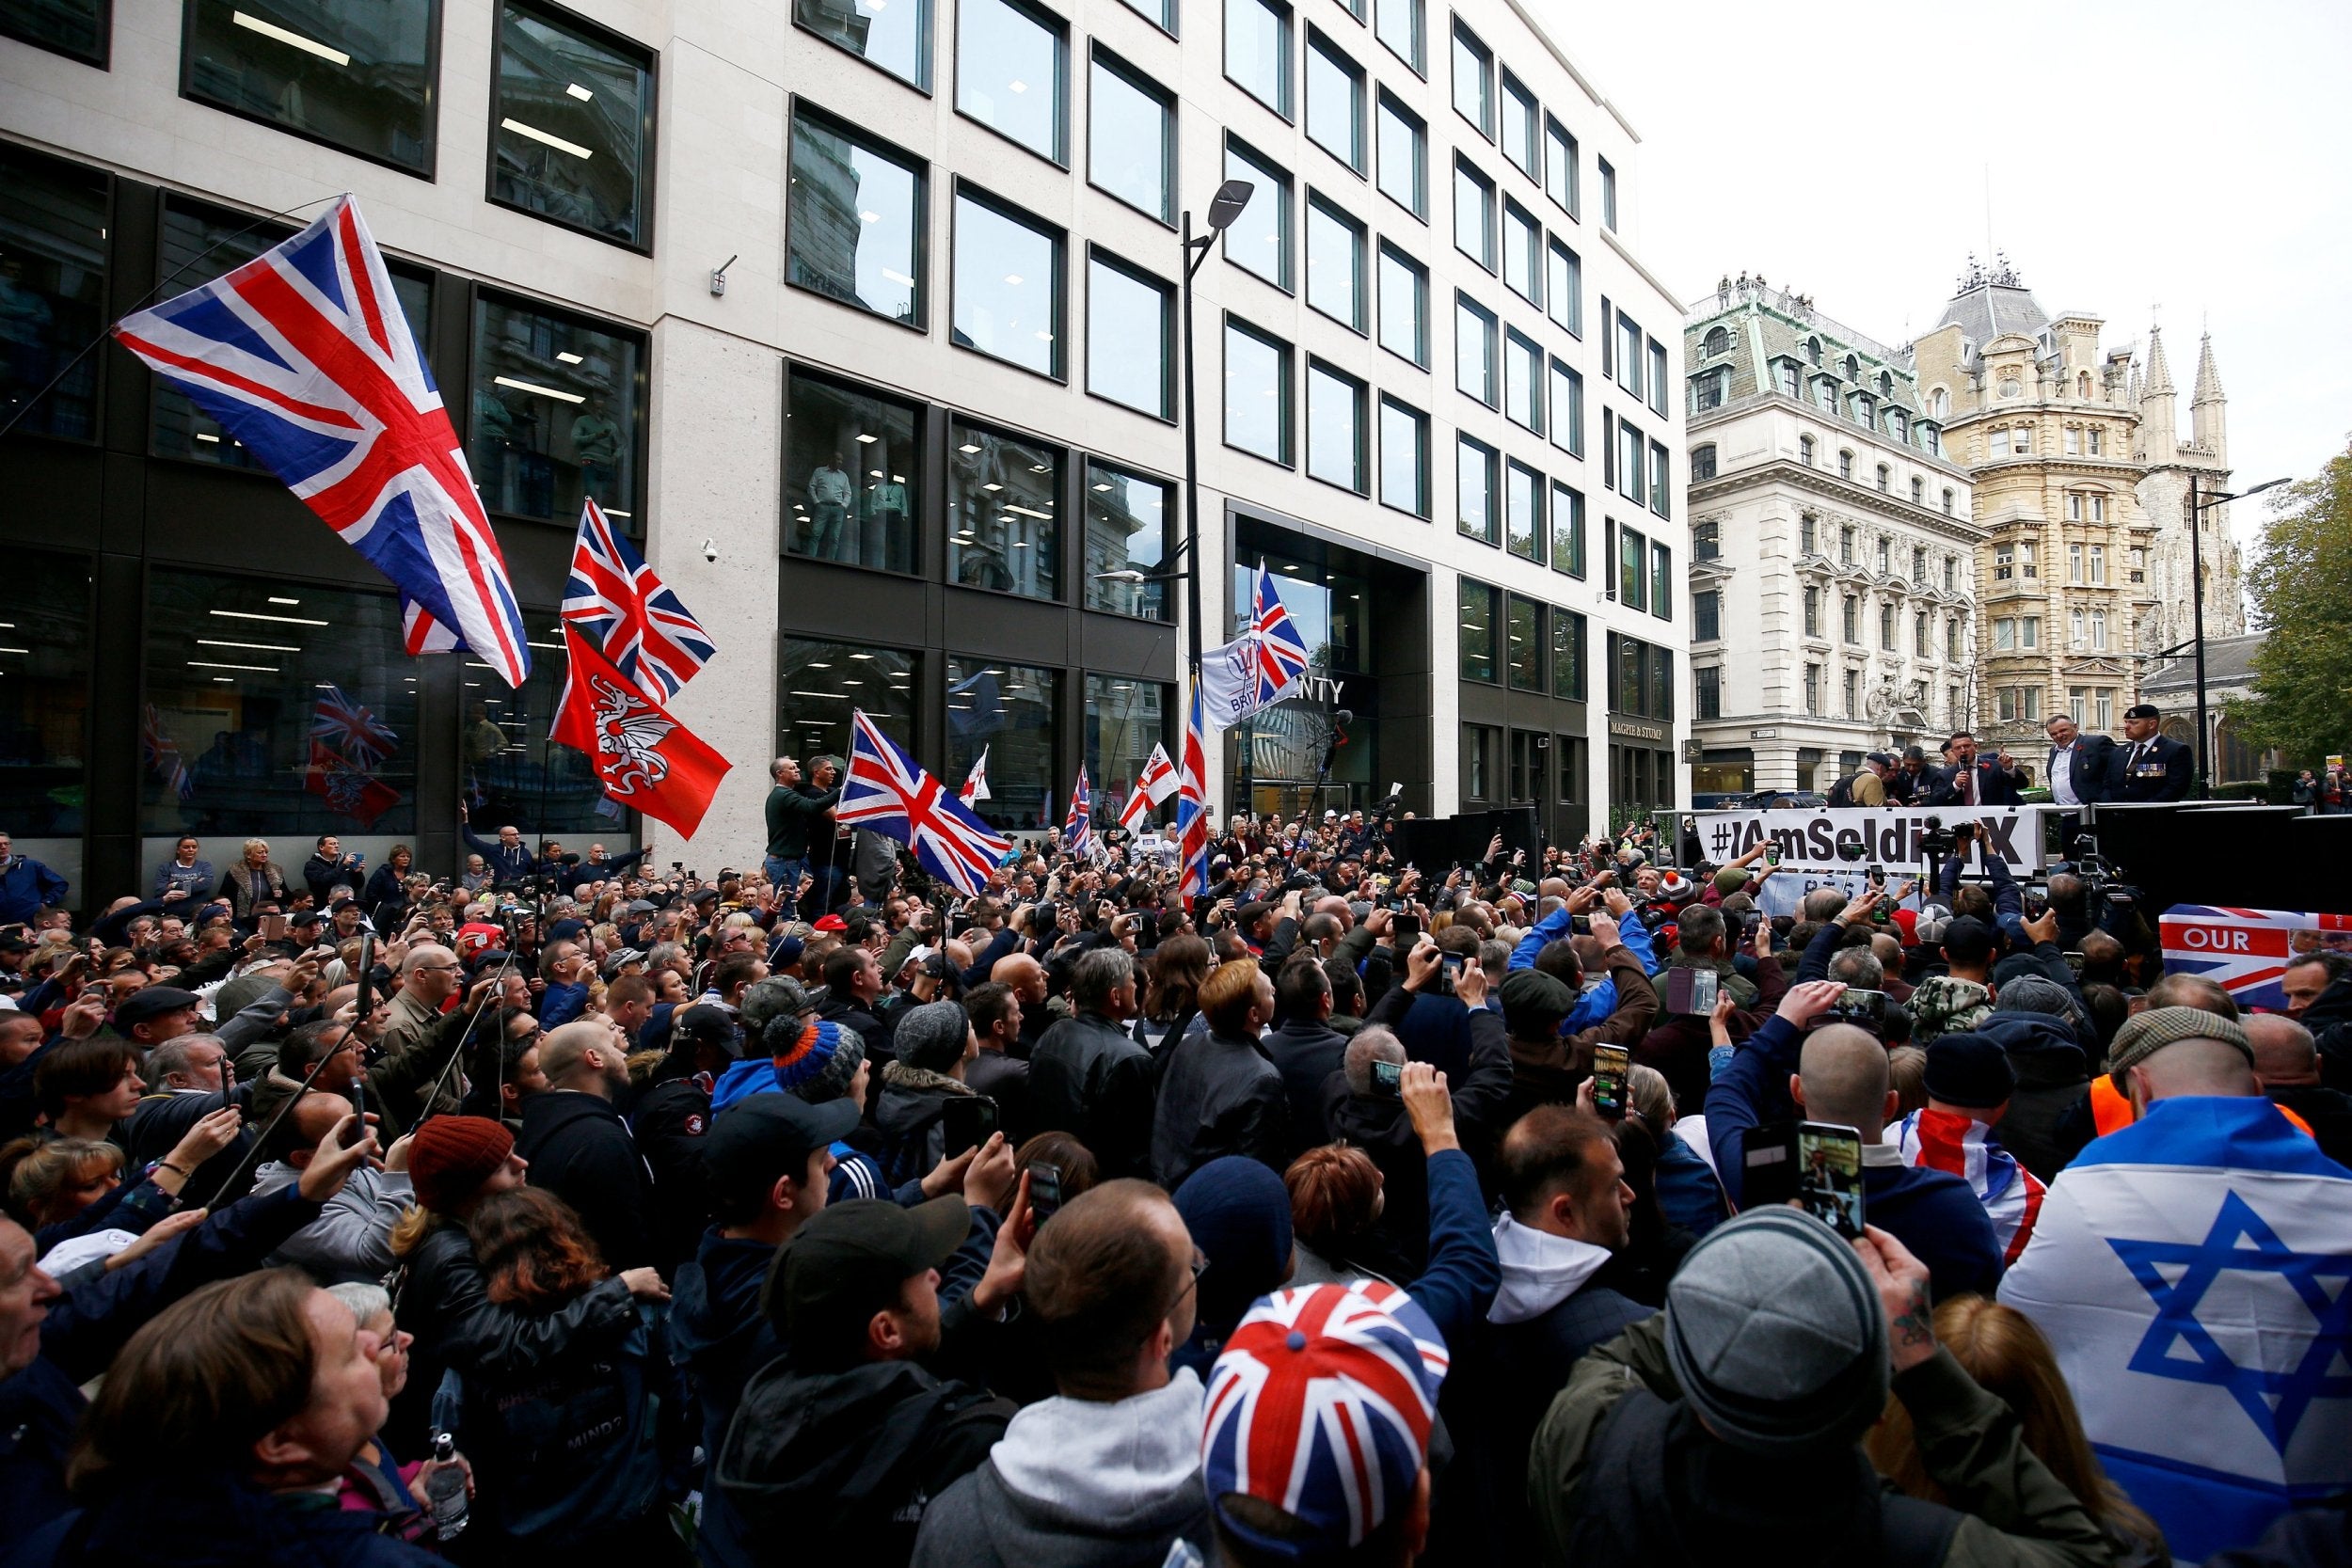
(1540, 1270)
(1080, 1483)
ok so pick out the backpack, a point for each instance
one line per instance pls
(1842, 793)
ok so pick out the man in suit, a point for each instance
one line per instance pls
(2082, 767)
(2150, 766)
(1971, 782)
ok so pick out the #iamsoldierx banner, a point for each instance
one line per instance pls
(1830, 847)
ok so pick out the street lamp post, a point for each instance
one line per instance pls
(2196, 611)
(1227, 205)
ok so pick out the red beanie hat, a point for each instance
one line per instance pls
(450, 1157)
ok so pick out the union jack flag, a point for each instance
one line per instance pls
(303, 355)
(163, 753)
(1282, 652)
(421, 632)
(615, 598)
(1077, 824)
(885, 792)
(352, 729)
(1321, 1404)
(1192, 804)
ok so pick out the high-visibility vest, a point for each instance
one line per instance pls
(2112, 1112)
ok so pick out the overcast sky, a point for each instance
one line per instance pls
(2184, 159)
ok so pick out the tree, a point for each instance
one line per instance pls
(2302, 588)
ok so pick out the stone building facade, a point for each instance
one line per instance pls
(2175, 459)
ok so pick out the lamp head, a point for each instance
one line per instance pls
(1231, 197)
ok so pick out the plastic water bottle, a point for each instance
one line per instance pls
(445, 1489)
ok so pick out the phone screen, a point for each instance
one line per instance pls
(1387, 1080)
(273, 927)
(1044, 1189)
(1612, 1068)
(1768, 1167)
(966, 1120)
(1407, 929)
(1829, 1175)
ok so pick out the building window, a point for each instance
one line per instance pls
(1641, 679)
(1478, 604)
(1257, 392)
(1131, 136)
(1474, 351)
(1707, 615)
(1403, 458)
(1520, 137)
(1608, 196)
(2073, 562)
(1632, 569)
(818, 684)
(1128, 530)
(1568, 530)
(1661, 487)
(1710, 691)
(1008, 285)
(1335, 427)
(1568, 409)
(2098, 630)
(1886, 477)
(1886, 627)
(1160, 13)
(1710, 391)
(1525, 653)
(1785, 376)
(1260, 241)
(1004, 499)
(1656, 376)
(1701, 463)
(1845, 465)
(359, 79)
(1852, 694)
(1335, 101)
(1403, 150)
(2103, 709)
(1952, 640)
(1560, 167)
(2098, 509)
(1522, 253)
(1813, 613)
(45, 699)
(1662, 593)
(2097, 438)
(1522, 382)
(1804, 451)
(558, 412)
(1628, 354)
(1999, 439)
(1130, 316)
(1887, 556)
(1124, 719)
(1398, 24)
(1479, 745)
(1919, 491)
(1473, 215)
(1862, 411)
(2073, 507)
(1012, 73)
(1523, 512)
(1404, 306)
(896, 37)
(856, 220)
(2071, 443)
(1813, 691)
(1565, 280)
(853, 468)
(1628, 462)
(572, 117)
(1474, 482)
(55, 215)
(1845, 543)
(1258, 51)
(1852, 621)
(1567, 655)
(1473, 81)
(1011, 712)
(2099, 566)
(1335, 264)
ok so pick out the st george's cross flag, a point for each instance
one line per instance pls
(1154, 785)
(2193, 1272)
(643, 757)
(1077, 824)
(975, 789)
(1258, 668)
(305, 357)
(887, 793)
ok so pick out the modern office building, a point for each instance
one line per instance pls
(1833, 559)
(863, 317)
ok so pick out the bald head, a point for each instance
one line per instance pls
(1025, 974)
(2284, 1053)
(582, 1056)
(424, 956)
(2192, 990)
(1842, 1077)
(312, 1118)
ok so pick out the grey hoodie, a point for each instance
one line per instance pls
(352, 1242)
(1079, 1484)
(1540, 1270)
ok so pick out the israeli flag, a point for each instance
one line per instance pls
(2194, 1273)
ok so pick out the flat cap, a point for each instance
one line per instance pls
(2145, 1033)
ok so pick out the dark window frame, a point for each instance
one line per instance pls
(469, 298)
(1171, 154)
(1287, 394)
(1063, 99)
(927, 86)
(102, 57)
(892, 153)
(1011, 212)
(1118, 264)
(432, 96)
(564, 19)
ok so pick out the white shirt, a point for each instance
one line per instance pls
(2062, 775)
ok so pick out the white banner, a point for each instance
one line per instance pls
(1784, 890)
(1229, 681)
(1847, 838)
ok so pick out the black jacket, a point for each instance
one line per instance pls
(1089, 1079)
(869, 1028)
(669, 1123)
(1307, 1053)
(1218, 1096)
(2053, 1078)
(841, 1464)
(1993, 787)
(2163, 771)
(2092, 767)
(319, 875)
(1005, 1079)
(720, 1338)
(581, 1149)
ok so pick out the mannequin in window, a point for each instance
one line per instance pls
(830, 493)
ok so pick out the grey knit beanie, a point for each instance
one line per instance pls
(932, 1036)
(1775, 1333)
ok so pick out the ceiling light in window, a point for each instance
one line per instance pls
(288, 37)
(210, 664)
(260, 647)
(1013, 278)
(566, 357)
(534, 388)
(1016, 86)
(899, 278)
(869, 217)
(583, 94)
(860, 655)
(868, 440)
(967, 448)
(544, 138)
(203, 435)
(991, 487)
(273, 598)
(1102, 487)
(256, 615)
(616, 512)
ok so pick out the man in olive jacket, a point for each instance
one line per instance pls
(1728, 1427)
(793, 818)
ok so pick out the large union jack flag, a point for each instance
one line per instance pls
(1282, 652)
(353, 729)
(886, 793)
(1192, 803)
(303, 353)
(1321, 1404)
(615, 598)
(1077, 824)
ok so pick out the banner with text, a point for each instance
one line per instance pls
(2246, 951)
(1847, 838)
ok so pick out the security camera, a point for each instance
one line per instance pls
(710, 551)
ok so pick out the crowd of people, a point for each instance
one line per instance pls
(1350, 1212)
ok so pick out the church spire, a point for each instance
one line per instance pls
(2159, 429)
(2159, 381)
(2209, 409)
(2208, 379)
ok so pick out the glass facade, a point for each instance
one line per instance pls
(1474, 351)
(1125, 719)
(53, 278)
(1398, 22)
(1260, 239)
(44, 709)
(1474, 482)
(1404, 306)
(1403, 458)
(1480, 608)
(1004, 502)
(1129, 317)
(572, 112)
(853, 468)
(1474, 214)
(75, 27)
(1335, 427)
(1403, 150)
(1568, 530)
(1257, 393)
(1335, 102)
(1525, 654)
(1567, 655)
(1131, 139)
(558, 412)
(1008, 286)
(1128, 518)
(1008, 710)
(819, 684)
(1335, 264)
(857, 214)
(358, 75)
(1012, 68)
(896, 36)
(1258, 51)
(1523, 512)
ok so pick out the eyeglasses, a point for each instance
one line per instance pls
(1200, 1265)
